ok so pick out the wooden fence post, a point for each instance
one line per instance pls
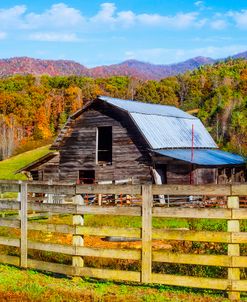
(233, 248)
(50, 196)
(78, 240)
(100, 199)
(19, 193)
(147, 203)
(23, 245)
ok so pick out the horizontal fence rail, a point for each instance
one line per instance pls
(33, 201)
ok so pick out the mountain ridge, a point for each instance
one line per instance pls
(134, 68)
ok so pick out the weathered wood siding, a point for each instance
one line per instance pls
(48, 170)
(185, 174)
(51, 169)
(179, 172)
(130, 157)
(205, 176)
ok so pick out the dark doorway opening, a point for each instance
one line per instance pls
(104, 145)
(160, 174)
(35, 175)
(86, 177)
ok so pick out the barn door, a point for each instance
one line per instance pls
(159, 177)
(159, 174)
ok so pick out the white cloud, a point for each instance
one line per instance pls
(180, 20)
(240, 18)
(13, 12)
(217, 52)
(198, 3)
(62, 16)
(211, 39)
(58, 16)
(105, 14)
(151, 19)
(127, 18)
(108, 15)
(12, 17)
(71, 21)
(218, 24)
(168, 55)
(201, 5)
(54, 37)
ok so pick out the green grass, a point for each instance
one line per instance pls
(33, 286)
(9, 166)
(121, 221)
(29, 285)
(135, 222)
(169, 223)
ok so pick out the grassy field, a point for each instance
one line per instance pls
(29, 285)
(9, 166)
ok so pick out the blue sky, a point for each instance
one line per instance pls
(100, 32)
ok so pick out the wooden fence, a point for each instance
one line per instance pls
(146, 256)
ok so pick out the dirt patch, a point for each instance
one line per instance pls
(99, 242)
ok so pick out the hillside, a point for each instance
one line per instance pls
(34, 109)
(147, 71)
(242, 55)
(25, 65)
(133, 68)
(9, 166)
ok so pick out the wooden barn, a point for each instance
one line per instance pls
(115, 140)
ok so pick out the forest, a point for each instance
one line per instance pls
(34, 108)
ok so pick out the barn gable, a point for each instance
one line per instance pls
(78, 148)
(160, 125)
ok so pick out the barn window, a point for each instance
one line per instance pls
(36, 175)
(86, 177)
(104, 145)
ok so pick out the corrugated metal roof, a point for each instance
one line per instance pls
(162, 126)
(146, 108)
(171, 132)
(204, 157)
(165, 126)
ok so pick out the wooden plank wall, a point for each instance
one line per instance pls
(179, 172)
(129, 151)
(49, 170)
(233, 237)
